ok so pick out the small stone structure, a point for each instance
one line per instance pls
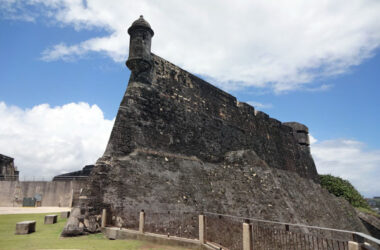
(51, 219)
(8, 171)
(25, 227)
(300, 132)
(65, 215)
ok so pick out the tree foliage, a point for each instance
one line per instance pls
(343, 188)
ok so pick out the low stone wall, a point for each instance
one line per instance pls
(54, 193)
(118, 233)
(371, 222)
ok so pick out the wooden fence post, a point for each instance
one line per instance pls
(202, 227)
(142, 221)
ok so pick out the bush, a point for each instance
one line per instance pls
(343, 188)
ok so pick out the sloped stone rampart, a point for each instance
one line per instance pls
(241, 184)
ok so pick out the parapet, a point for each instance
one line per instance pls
(246, 108)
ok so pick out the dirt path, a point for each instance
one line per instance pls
(32, 210)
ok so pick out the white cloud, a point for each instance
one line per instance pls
(349, 159)
(323, 87)
(46, 141)
(15, 10)
(259, 105)
(61, 51)
(282, 45)
(312, 139)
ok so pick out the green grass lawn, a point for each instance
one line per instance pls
(48, 237)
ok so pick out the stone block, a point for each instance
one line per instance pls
(111, 233)
(65, 215)
(25, 227)
(51, 219)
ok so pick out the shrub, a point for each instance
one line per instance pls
(343, 188)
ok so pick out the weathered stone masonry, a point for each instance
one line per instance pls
(183, 114)
(181, 144)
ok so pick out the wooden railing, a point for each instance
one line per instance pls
(265, 234)
(232, 232)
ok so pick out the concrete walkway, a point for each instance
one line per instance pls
(32, 210)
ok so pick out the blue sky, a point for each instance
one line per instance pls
(70, 57)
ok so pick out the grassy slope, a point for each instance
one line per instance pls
(369, 211)
(47, 237)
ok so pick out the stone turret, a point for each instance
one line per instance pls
(140, 60)
(300, 132)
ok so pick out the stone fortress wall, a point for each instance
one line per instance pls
(53, 193)
(180, 113)
(168, 109)
(180, 144)
(60, 192)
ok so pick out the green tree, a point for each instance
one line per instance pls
(343, 188)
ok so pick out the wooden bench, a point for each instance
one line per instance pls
(51, 219)
(26, 227)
